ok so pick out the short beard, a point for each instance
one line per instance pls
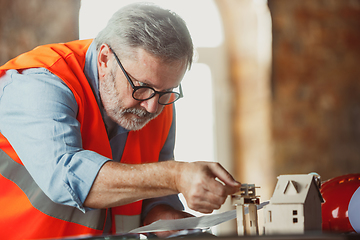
(113, 106)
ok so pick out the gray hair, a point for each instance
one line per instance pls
(142, 25)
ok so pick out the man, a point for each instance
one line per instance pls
(87, 128)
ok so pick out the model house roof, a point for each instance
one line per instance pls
(295, 189)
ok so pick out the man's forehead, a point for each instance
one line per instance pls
(133, 53)
(146, 68)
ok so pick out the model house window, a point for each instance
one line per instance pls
(295, 212)
(270, 217)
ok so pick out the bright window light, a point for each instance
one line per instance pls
(194, 115)
(201, 17)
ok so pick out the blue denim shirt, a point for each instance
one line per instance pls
(38, 117)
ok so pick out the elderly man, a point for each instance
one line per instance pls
(87, 128)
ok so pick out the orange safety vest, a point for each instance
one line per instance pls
(25, 211)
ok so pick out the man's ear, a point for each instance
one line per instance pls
(103, 60)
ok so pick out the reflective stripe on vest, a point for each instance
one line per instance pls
(124, 223)
(18, 174)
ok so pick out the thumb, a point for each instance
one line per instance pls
(223, 175)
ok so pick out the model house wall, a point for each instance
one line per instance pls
(295, 206)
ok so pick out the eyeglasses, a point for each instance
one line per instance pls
(142, 93)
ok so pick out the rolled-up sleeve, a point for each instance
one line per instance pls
(38, 117)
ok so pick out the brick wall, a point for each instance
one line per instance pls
(27, 24)
(316, 86)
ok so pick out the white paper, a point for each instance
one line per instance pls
(191, 222)
(187, 223)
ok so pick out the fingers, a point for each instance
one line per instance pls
(205, 201)
(204, 206)
(223, 175)
(206, 185)
(221, 189)
(223, 183)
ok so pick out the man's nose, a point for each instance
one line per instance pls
(151, 105)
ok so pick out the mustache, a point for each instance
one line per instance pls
(140, 112)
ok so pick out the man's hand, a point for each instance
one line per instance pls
(205, 185)
(164, 212)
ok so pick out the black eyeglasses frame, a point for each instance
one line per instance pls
(135, 88)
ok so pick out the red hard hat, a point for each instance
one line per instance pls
(341, 207)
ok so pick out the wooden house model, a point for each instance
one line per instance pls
(295, 207)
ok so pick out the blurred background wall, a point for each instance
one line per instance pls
(286, 80)
(316, 86)
(27, 24)
(297, 110)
